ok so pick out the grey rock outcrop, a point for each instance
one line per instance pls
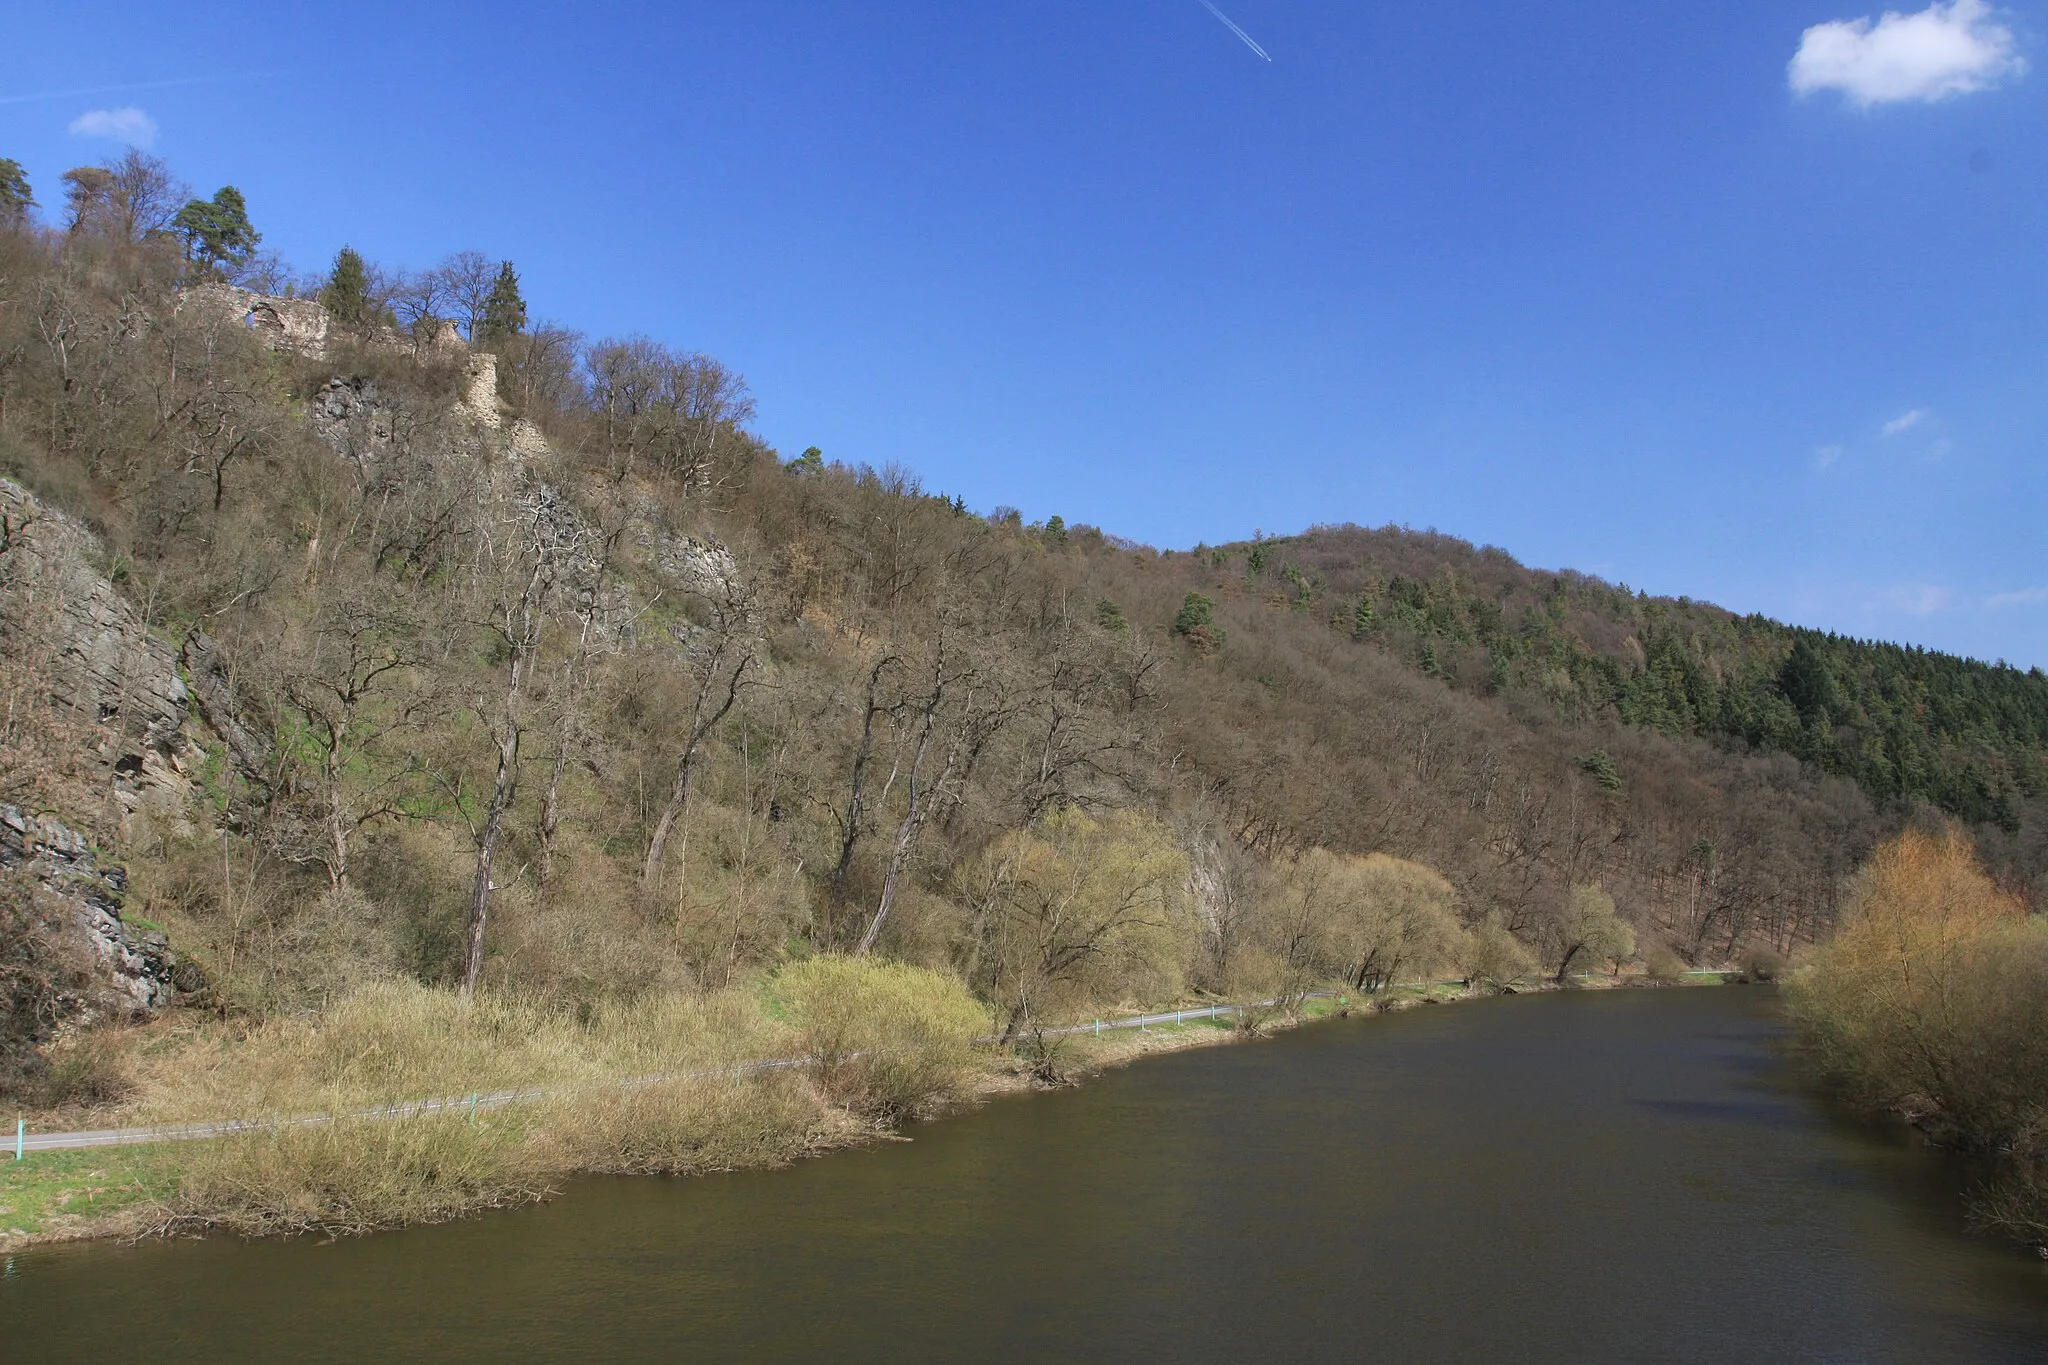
(703, 568)
(355, 421)
(136, 972)
(525, 442)
(59, 608)
(66, 626)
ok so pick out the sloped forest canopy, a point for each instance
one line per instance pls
(698, 708)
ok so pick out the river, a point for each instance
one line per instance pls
(1601, 1176)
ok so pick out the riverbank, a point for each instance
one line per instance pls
(358, 1175)
(1931, 1003)
(1629, 1175)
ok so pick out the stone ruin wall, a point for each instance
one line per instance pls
(303, 327)
(300, 326)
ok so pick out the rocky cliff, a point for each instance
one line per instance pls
(96, 740)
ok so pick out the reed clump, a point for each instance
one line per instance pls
(664, 1084)
(354, 1175)
(692, 1126)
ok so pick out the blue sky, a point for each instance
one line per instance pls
(1616, 286)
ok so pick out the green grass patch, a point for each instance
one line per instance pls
(45, 1190)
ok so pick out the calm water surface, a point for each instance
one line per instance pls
(1613, 1176)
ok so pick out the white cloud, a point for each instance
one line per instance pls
(2024, 597)
(126, 124)
(1906, 421)
(1823, 456)
(1943, 50)
(1918, 599)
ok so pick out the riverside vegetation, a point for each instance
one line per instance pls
(1931, 1001)
(539, 725)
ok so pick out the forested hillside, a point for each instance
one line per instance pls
(1902, 722)
(514, 660)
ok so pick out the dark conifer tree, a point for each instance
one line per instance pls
(217, 231)
(504, 314)
(15, 197)
(347, 293)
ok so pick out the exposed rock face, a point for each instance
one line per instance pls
(65, 625)
(354, 420)
(702, 567)
(301, 326)
(525, 441)
(137, 972)
(57, 607)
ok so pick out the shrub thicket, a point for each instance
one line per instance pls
(1932, 1001)
(888, 1041)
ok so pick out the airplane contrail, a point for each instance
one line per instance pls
(135, 85)
(1231, 24)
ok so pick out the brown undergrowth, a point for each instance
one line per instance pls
(654, 1087)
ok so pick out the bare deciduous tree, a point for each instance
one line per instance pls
(721, 660)
(465, 281)
(126, 200)
(526, 563)
(344, 680)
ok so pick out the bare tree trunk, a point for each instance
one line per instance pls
(572, 686)
(503, 789)
(850, 834)
(906, 834)
(686, 762)
(520, 628)
(551, 807)
(920, 801)
(337, 815)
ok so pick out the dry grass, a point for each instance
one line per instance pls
(628, 1092)
(690, 1127)
(386, 1043)
(355, 1175)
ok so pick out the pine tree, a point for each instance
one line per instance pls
(1364, 620)
(86, 190)
(15, 197)
(347, 293)
(1808, 684)
(1601, 768)
(217, 231)
(1195, 620)
(504, 314)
